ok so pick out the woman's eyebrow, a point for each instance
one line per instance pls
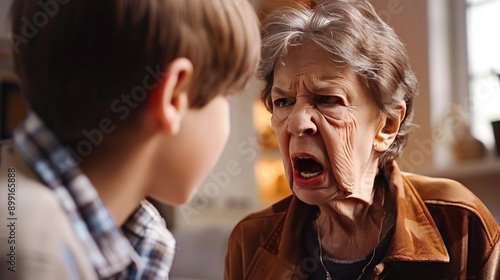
(322, 84)
(280, 91)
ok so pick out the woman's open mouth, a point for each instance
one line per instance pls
(307, 171)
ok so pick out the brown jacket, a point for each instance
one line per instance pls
(442, 231)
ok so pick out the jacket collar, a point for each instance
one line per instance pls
(416, 236)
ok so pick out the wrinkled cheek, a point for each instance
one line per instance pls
(339, 142)
(279, 126)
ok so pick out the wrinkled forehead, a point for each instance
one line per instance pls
(312, 65)
(307, 54)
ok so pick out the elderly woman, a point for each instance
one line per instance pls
(340, 89)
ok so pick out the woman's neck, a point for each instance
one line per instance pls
(350, 229)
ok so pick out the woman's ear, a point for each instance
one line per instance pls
(389, 129)
(170, 101)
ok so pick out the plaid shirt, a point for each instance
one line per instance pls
(142, 249)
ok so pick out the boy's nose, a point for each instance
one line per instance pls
(300, 121)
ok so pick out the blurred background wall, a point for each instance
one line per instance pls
(4, 8)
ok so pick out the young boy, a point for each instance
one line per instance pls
(128, 100)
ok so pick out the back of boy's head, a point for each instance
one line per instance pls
(82, 61)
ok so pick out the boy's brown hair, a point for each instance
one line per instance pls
(82, 61)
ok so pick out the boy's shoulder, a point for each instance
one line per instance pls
(39, 234)
(30, 201)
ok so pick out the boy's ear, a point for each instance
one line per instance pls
(171, 99)
(389, 129)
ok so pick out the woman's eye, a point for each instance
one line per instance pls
(327, 99)
(282, 102)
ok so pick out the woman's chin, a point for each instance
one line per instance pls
(316, 196)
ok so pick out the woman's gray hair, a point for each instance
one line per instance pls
(354, 36)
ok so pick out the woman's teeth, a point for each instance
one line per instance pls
(309, 175)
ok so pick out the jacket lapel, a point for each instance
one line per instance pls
(416, 236)
(282, 255)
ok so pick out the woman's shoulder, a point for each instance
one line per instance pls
(440, 189)
(446, 195)
(266, 219)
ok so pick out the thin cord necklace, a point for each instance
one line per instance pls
(328, 276)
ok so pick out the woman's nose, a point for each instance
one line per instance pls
(300, 121)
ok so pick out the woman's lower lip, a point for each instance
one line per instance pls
(308, 182)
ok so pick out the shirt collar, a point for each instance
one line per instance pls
(108, 249)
